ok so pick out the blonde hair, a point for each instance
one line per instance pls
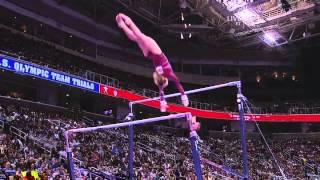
(158, 79)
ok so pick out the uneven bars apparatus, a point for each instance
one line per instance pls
(240, 99)
(233, 83)
(187, 115)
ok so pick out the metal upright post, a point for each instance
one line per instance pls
(131, 149)
(69, 157)
(243, 133)
(194, 147)
(195, 154)
(131, 145)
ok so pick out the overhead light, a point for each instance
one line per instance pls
(232, 30)
(190, 35)
(269, 37)
(272, 38)
(284, 75)
(306, 34)
(258, 78)
(181, 36)
(182, 17)
(275, 74)
(249, 17)
(183, 4)
(293, 18)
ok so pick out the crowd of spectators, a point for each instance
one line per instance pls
(25, 160)
(158, 154)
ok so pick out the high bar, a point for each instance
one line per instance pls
(233, 83)
(149, 120)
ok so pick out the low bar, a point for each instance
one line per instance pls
(233, 83)
(149, 120)
(196, 154)
(125, 124)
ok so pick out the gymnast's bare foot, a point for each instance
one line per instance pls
(120, 21)
(127, 20)
(163, 106)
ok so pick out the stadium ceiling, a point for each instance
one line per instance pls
(233, 23)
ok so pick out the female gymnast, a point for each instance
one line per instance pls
(151, 50)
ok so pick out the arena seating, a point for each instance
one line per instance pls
(158, 153)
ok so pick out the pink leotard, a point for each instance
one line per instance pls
(162, 60)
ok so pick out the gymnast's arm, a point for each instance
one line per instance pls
(146, 43)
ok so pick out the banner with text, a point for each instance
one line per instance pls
(27, 68)
(175, 108)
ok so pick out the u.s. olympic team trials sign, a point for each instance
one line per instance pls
(26, 68)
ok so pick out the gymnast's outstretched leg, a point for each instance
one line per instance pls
(151, 49)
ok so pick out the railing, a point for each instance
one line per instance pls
(209, 153)
(56, 108)
(103, 79)
(304, 110)
(287, 108)
(294, 158)
(40, 144)
(313, 176)
(77, 161)
(24, 136)
(154, 139)
(149, 93)
(18, 132)
(1, 123)
(89, 174)
(257, 110)
(150, 149)
(274, 12)
(88, 121)
(278, 10)
(96, 173)
(56, 122)
(12, 99)
(144, 147)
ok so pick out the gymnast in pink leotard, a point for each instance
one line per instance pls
(151, 50)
